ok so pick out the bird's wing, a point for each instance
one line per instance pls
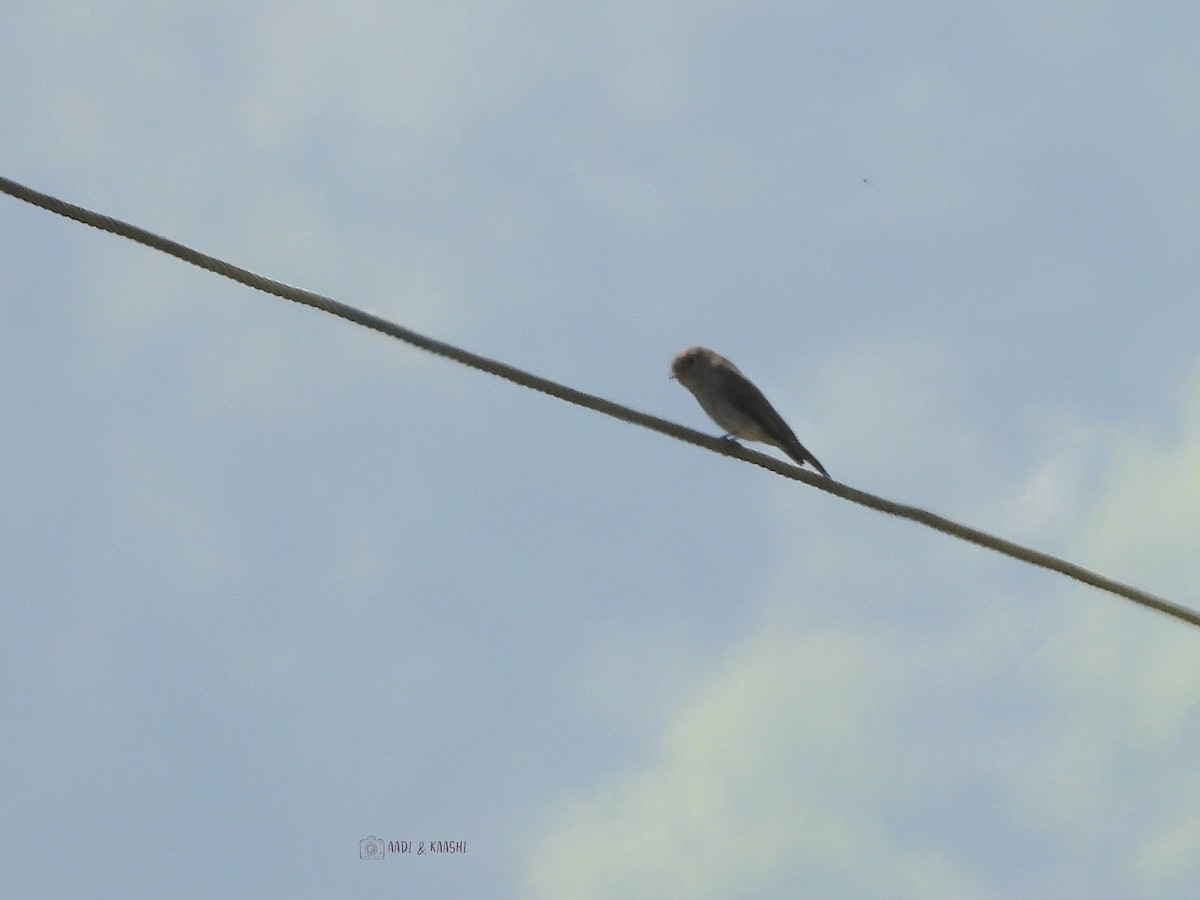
(746, 396)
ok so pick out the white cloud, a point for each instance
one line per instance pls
(1064, 720)
(1150, 509)
(1125, 690)
(769, 769)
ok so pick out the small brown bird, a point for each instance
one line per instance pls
(733, 402)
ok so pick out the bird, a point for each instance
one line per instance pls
(733, 402)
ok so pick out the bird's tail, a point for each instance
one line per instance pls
(802, 456)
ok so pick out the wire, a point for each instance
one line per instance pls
(599, 404)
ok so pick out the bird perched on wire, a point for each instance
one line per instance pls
(733, 402)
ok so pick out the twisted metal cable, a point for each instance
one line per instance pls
(599, 404)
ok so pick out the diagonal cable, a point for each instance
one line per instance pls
(599, 404)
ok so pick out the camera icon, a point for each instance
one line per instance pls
(371, 848)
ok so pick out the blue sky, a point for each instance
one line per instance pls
(274, 584)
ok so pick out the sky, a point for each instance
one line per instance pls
(274, 585)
